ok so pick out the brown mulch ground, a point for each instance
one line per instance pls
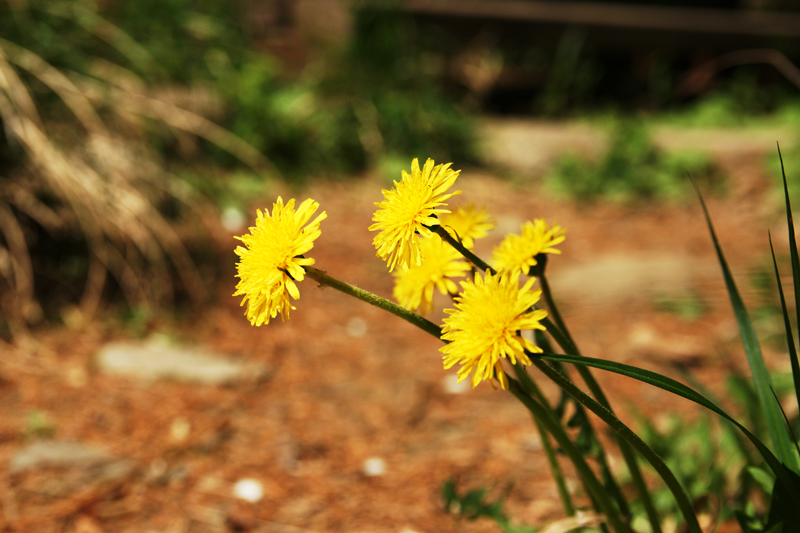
(335, 399)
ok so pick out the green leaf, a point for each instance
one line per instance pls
(770, 408)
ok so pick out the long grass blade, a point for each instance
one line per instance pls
(795, 278)
(626, 433)
(781, 440)
(593, 485)
(675, 387)
(788, 326)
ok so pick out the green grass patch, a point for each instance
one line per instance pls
(632, 168)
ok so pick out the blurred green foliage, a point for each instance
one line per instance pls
(473, 505)
(377, 98)
(185, 38)
(689, 307)
(40, 425)
(632, 168)
(713, 461)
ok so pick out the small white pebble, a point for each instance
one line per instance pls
(374, 466)
(357, 327)
(232, 219)
(179, 430)
(248, 490)
(451, 385)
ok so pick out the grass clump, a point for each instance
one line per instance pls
(632, 168)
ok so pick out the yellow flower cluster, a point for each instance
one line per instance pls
(490, 311)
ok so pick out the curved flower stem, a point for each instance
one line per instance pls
(564, 339)
(555, 468)
(532, 389)
(323, 278)
(630, 437)
(529, 386)
(472, 258)
(562, 336)
(593, 486)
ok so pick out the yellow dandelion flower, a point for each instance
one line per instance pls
(413, 288)
(485, 324)
(518, 252)
(271, 260)
(468, 223)
(413, 204)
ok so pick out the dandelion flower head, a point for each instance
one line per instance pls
(518, 252)
(271, 260)
(484, 326)
(413, 288)
(468, 223)
(413, 204)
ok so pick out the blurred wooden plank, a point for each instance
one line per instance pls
(662, 18)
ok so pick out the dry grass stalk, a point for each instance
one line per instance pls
(107, 189)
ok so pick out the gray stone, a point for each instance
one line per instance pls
(43, 454)
(80, 467)
(154, 360)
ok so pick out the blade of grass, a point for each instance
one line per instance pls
(561, 334)
(769, 408)
(586, 474)
(787, 324)
(532, 389)
(795, 278)
(682, 499)
(675, 387)
(788, 423)
(741, 441)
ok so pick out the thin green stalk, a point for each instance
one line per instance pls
(594, 487)
(471, 257)
(594, 387)
(555, 468)
(625, 432)
(532, 389)
(561, 334)
(323, 278)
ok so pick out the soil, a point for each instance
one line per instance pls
(350, 383)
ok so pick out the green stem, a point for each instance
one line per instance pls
(472, 258)
(586, 474)
(564, 339)
(323, 278)
(629, 436)
(562, 336)
(530, 387)
(555, 468)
